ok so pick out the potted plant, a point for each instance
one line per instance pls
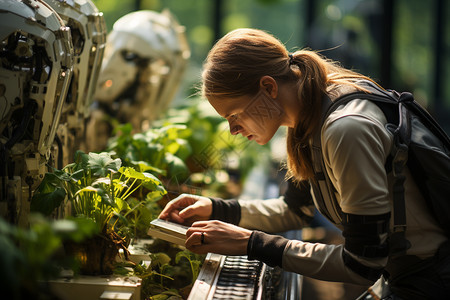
(171, 273)
(97, 187)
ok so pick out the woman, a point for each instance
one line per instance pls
(251, 80)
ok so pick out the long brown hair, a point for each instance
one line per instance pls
(237, 62)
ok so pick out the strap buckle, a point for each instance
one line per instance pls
(399, 160)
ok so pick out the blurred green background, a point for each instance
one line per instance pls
(403, 44)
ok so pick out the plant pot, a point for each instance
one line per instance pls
(95, 256)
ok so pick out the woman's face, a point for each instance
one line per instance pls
(256, 118)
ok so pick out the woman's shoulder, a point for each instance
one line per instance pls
(359, 119)
(354, 111)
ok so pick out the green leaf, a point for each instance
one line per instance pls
(60, 176)
(159, 259)
(193, 261)
(46, 203)
(159, 297)
(81, 160)
(87, 189)
(184, 149)
(102, 180)
(172, 147)
(150, 177)
(146, 150)
(153, 186)
(132, 173)
(97, 194)
(102, 163)
(147, 179)
(177, 167)
(49, 183)
(119, 186)
(157, 193)
(144, 166)
(186, 254)
(121, 204)
(106, 198)
(78, 175)
(172, 131)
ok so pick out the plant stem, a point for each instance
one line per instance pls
(111, 187)
(129, 193)
(125, 189)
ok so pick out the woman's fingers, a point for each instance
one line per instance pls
(198, 243)
(195, 209)
(174, 216)
(186, 208)
(175, 206)
(217, 237)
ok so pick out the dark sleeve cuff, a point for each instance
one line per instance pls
(226, 210)
(266, 248)
(298, 196)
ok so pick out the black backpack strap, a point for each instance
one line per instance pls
(402, 137)
(324, 191)
(399, 125)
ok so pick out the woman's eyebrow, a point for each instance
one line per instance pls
(231, 115)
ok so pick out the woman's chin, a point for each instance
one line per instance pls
(259, 141)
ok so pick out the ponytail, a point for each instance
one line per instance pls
(312, 84)
(316, 75)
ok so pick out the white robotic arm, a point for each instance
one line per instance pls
(88, 32)
(36, 59)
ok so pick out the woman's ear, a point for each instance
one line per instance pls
(268, 84)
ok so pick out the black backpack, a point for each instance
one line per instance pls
(419, 142)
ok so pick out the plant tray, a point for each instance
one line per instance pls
(97, 287)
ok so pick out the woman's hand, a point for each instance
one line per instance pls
(186, 209)
(218, 237)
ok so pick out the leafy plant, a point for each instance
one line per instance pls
(98, 188)
(171, 273)
(193, 260)
(158, 150)
(141, 214)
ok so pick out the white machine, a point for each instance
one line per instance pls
(88, 30)
(145, 56)
(36, 59)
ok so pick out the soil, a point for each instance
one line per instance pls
(97, 255)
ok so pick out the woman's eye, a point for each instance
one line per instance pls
(232, 117)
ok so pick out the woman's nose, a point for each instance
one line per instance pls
(235, 129)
